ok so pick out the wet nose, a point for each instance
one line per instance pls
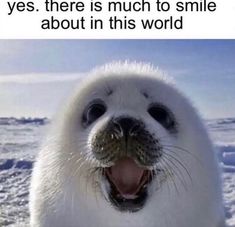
(126, 125)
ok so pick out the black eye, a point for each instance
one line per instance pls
(163, 116)
(93, 112)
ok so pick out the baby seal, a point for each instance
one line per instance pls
(128, 150)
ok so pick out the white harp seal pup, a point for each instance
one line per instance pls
(128, 150)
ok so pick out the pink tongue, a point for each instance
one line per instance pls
(126, 176)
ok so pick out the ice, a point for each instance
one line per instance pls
(223, 134)
(19, 142)
(23, 121)
(12, 163)
(229, 158)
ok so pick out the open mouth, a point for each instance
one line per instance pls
(128, 184)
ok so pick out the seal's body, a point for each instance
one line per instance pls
(129, 150)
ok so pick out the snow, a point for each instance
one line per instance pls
(223, 134)
(19, 142)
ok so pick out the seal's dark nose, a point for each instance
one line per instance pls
(126, 125)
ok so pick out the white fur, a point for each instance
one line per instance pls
(61, 194)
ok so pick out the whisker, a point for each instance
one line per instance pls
(169, 172)
(180, 163)
(184, 150)
(179, 174)
(164, 175)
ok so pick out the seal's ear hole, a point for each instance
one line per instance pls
(162, 115)
(93, 112)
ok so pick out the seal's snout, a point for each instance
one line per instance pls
(125, 136)
(126, 126)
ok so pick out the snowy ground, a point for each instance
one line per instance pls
(19, 141)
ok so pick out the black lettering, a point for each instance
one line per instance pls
(20, 7)
(54, 23)
(162, 6)
(96, 23)
(147, 24)
(131, 24)
(179, 6)
(170, 23)
(52, 5)
(96, 6)
(30, 6)
(45, 24)
(121, 23)
(136, 6)
(211, 6)
(11, 7)
(194, 6)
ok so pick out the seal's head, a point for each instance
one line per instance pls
(138, 138)
(125, 126)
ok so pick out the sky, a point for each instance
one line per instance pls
(36, 76)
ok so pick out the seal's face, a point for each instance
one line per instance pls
(128, 153)
(126, 130)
